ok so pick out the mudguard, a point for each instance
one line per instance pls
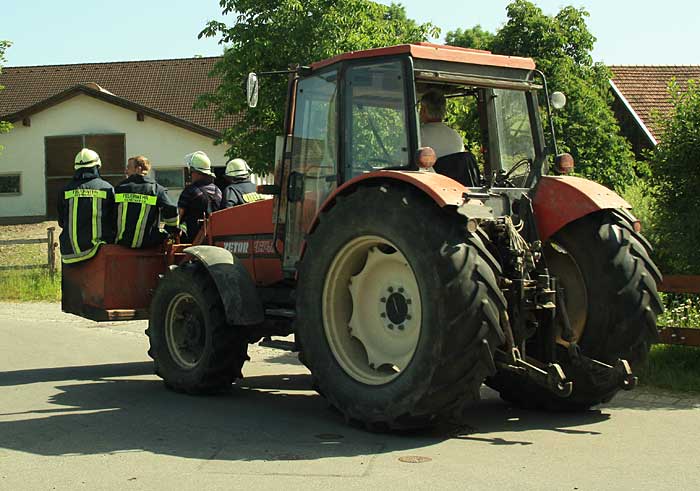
(236, 288)
(559, 200)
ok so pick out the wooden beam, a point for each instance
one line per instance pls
(680, 284)
(680, 335)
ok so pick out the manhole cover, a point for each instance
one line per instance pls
(329, 436)
(414, 459)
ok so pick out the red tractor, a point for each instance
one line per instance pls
(405, 290)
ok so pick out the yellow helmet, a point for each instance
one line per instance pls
(237, 168)
(87, 158)
(199, 161)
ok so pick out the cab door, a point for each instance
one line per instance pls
(314, 158)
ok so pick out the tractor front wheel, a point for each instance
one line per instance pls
(398, 309)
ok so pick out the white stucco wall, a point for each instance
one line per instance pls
(163, 143)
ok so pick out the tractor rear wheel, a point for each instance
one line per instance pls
(609, 281)
(398, 309)
(194, 350)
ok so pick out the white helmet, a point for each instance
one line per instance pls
(199, 161)
(237, 168)
(87, 158)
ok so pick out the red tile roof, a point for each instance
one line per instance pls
(167, 86)
(646, 88)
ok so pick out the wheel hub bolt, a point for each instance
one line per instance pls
(391, 326)
(383, 314)
(400, 290)
(390, 289)
(383, 299)
(401, 327)
(408, 317)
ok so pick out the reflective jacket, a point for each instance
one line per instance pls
(141, 204)
(86, 215)
(238, 193)
(199, 199)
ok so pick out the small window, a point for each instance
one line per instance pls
(10, 184)
(170, 178)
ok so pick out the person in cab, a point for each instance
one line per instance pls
(241, 189)
(142, 204)
(85, 210)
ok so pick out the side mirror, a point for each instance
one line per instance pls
(557, 100)
(252, 89)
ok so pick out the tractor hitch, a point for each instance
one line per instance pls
(550, 377)
(601, 374)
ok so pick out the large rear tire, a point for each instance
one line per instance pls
(398, 309)
(194, 350)
(610, 282)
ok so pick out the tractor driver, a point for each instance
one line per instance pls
(241, 189)
(433, 132)
(201, 198)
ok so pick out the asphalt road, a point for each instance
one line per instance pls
(80, 409)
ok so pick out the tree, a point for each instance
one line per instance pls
(475, 37)
(561, 46)
(676, 181)
(270, 35)
(4, 125)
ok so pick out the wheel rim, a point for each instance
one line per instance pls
(371, 310)
(568, 273)
(185, 330)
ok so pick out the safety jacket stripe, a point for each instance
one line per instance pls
(135, 198)
(123, 209)
(95, 206)
(140, 229)
(85, 193)
(81, 256)
(172, 221)
(73, 212)
(251, 197)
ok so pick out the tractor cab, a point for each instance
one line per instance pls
(358, 114)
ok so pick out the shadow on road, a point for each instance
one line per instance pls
(114, 408)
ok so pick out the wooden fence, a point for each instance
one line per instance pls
(50, 252)
(688, 336)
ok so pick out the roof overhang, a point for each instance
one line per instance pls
(436, 52)
(112, 99)
(635, 116)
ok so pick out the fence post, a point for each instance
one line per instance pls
(51, 251)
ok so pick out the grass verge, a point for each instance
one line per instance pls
(29, 286)
(674, 368)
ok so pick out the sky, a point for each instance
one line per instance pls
(44, 32)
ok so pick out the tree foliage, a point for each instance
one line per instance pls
(4, 125)
(676, 181)
(561, 46)
(270, 35)
(474, 37)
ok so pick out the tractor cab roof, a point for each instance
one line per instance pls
(435, 52)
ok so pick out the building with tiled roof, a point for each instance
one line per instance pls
(119, 109)
(642, 98)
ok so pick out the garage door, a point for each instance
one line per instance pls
(60, 153)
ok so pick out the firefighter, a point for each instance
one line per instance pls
(240, 189)
(85, 210)
(201, 198)
(141, 204)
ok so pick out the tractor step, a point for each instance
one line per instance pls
(284, 313)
